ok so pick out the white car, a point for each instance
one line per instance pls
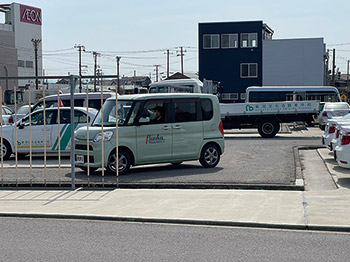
(37, 131)
(342, 151)
(331, 110)
(6, 118)
(331, 130)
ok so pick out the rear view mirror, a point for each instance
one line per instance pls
(20, 125)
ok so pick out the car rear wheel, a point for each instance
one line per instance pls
(124, 162)
(268, 128)
(210, 156)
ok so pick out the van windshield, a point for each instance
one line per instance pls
(109, 113)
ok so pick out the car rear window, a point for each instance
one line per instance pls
(337, 106)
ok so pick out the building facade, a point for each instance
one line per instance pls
(22, 25)
(243, 54)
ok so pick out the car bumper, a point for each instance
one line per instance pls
(343, 156)
(96, 156)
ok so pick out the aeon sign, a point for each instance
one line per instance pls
(30, 15)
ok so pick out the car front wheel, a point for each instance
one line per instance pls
(124, 162)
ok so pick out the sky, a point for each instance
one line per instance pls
(140, 31)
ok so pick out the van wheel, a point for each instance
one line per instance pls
(124, 162)
(210, 156)
(85, 169)
(268, 128)
(6, 150)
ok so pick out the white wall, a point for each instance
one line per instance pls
(293, 62)
(24, 33)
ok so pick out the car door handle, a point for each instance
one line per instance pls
(177, 127)
(166, 127)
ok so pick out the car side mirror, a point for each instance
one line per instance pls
(20, 125)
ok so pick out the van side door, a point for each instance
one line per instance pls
(187, 128)
(154, 133)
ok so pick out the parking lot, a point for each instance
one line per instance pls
(249, 161)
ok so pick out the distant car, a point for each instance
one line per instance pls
(332, 110)
(342, 151)
(53, 142)
(332, 130)
(21, 112)
(6, 116)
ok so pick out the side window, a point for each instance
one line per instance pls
(66, 102)
(95, 103)
(79, 117)
(78, 102)
(185, 111)
(156, 111)
(38, 119)
(207, 109)
(64, 116)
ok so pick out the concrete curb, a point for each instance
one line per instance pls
(181, 222)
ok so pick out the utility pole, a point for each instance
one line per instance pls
(36, 44)
(80, 48)
(347, 80)
(95, 54)
(182, 59)
(333, 68)
(157, 66)
(167, 63)
(118, 81)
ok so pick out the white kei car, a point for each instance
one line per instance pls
(55, 139)
(342, 151)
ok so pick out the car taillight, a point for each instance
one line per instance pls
(331, 129)
(10, 120)
(221, 127)
(345, 138)
(324, 114)
(337, 133)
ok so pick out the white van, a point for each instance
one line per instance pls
(79, 100)
(177, 86)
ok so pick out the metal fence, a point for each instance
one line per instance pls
(48, 164)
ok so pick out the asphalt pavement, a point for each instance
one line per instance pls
(322, 207)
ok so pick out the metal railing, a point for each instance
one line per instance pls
(31, 178)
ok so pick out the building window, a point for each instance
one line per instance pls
(29, 64)
(21, 63)
(229, 40)
(249, 70)
(249, 40)
(229, 96)
(211, 41)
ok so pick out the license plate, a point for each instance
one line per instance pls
(80, 159)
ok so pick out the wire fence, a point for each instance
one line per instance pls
(38, 145)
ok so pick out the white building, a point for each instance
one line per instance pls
(17, 56)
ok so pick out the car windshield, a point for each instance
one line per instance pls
(109, 113)
(23, 110)
(337, 106)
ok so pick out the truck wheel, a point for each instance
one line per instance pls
(268, 128)
(210, 156)
(124, 162)
(6, 150)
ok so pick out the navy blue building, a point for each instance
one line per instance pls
(231, 53)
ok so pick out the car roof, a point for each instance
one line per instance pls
(160, 95)
(78, 95)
